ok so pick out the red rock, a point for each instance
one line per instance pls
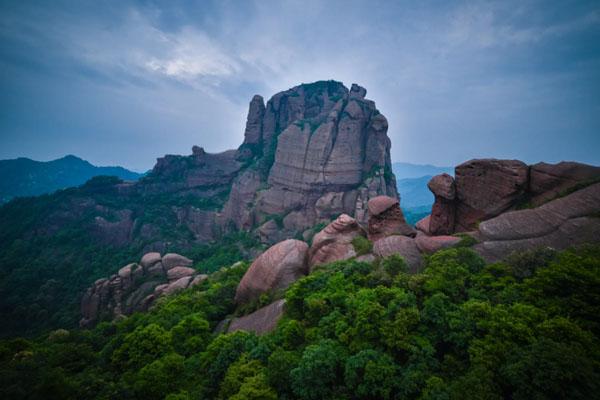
(172, 260)
(442, 218)
(381, 204)
(486, 188)
(402, 245)
(386, 218)
(149, 259)
(334, 242)
(423, 225)
(277, 268)
(261, 321)
(179, 272)
(431, 244)
(443, 186)
(547, 181)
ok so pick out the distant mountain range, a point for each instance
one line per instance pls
(25, 177)
(411, 179)
(404, 170)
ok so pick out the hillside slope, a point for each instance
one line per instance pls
(25, 177)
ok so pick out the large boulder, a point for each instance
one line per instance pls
(172, 260)
(560, 223)
(275, 269)
(548, 181)
(401, 245)
(443, 211)
(261, 321)
(486, 188)
(334, 242)
(149, 259)
(431, 244)
(386, 218)
(179, 272)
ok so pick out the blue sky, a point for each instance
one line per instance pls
(125, 82)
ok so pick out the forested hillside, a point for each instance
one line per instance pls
(521, 329)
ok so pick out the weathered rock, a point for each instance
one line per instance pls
(443, 186)
(431, 244)
(486, 188)
(559, 224)
(442, 217)
(179, 272)
(150, 259)
(275, 269)
(261, 321)
(402, 245)
(423, 225)
(269, 232)
(134, 288)
(386, 218)
(177, 285)
(334, 242)
(548, 181)
(172, 260)
(156, 270)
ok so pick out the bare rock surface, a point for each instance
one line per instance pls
(334, 242)
(547, 181)
(386, 218)
(179, 272)
(136, 286)
(149, 259)
(261, 321)
(486, 188)
(443, 186)
(431, 244)
(423, 225)
(276, 268)
(172, 260)
(560, 223)
(401, 245)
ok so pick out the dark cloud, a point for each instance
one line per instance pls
(125, 82)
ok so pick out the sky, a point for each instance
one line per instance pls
(124, 82)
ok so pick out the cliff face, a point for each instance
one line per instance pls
(315, 151)
(311, 153)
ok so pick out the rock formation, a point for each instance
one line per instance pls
(135, 287)
(564, 222)
(260, 321)
(401, 245)
(386, 218)
(275, 269)
(483, 189)
(334, 243)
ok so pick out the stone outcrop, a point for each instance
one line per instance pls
(334, 243)
(548, 181)
(441, 221)
(135, 287)
(275, 269)
(261, 321)
(560, 223)
(330, 154)
(386, 218)
(483, 189)
(431, 244)
(309, 154)
(486, 188)
(401, 245)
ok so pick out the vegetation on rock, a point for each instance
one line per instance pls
(525, 328)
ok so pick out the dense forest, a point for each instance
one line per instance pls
(526, 328)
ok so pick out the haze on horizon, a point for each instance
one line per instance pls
(124, 82)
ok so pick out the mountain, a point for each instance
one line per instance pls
(309, 154)
(25, 177)
(414, 192)
(403, 170)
